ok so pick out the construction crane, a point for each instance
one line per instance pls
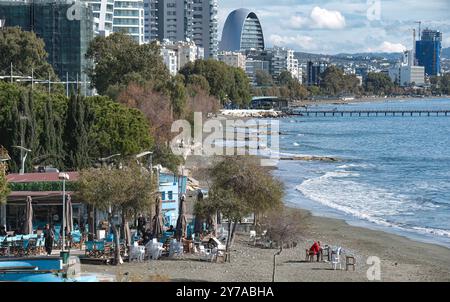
(420, 23)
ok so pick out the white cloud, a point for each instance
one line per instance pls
(296, 42)
(446, 42)
(319, 18)
(330, 19)
(388, 47)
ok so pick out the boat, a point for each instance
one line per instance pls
(46, 269)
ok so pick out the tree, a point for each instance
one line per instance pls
(119, 60)
(378, 84)
(114, 191)
(4, 188)
(263, 78)
(78, 123)
(225, 82)
(26, 52)
(240, 186)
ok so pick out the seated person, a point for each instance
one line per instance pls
(316, 249)
(3, 231)
(147, 237)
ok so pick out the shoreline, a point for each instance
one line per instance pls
(365, 100)
(402, 258)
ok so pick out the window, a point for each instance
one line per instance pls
(163, 195)
(170, 195)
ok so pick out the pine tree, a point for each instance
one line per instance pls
(76, 134)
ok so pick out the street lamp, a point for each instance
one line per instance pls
(144, 154)
(104, 159)
(64, 177)
(22, 157)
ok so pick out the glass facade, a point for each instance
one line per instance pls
(66, 28)
(252, 35)
(428, 51)
(129, 18)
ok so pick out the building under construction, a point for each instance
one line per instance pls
(66, 27)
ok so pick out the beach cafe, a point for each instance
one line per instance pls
(45, 190)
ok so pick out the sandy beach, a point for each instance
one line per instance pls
(401, 259)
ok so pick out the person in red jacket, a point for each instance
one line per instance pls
(316, 249)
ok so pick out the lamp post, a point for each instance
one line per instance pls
(104, 159)
(64, 177)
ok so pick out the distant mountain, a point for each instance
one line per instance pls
(391, 56)
(345, 56)
(446, 53)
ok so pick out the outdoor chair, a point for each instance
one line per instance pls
(176, 248)
(89, 251)
(99, 249)
(335, 258)
(350, 261)
(31, 248)
(137, 252)
(252, 236)
(40, 246)
(154, 249)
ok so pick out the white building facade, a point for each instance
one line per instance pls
(183, 52)
(103, 11)
(234, 59)
(129, 18)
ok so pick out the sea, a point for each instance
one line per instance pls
(392, 173)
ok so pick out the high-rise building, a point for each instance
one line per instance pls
(129, 18)
(182, 20)
(151, 20)
(428, 51)
(314, 71)
(103, 12)
(282, 59)
(65, 26)
(242, 31)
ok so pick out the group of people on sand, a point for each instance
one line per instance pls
(316, 250)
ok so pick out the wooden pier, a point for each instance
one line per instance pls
(362, 113)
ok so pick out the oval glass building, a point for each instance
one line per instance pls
(242, 31)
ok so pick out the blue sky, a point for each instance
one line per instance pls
(332, 27)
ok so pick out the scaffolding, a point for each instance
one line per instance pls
(65, 26)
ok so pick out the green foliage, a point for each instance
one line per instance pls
(224, 81)
(41, 186)
(68, 134)
(263, 78)
(335, 82)
(4, 188)
(119, 60)
(441, 84)
(116, 128)
(378, 84)
(241, 186)
(25, 51)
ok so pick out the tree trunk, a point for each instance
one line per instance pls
(233, 231)
(227, 247)
(117, 257)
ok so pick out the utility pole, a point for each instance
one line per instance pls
(67, 84)
(49, 83)
(32, 78)
(11, 72)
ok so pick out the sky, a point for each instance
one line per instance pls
(345, 26)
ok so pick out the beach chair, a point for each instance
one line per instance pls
(336, 259)
(157, 250)
(175, 248)
(99, 249)
(90, 250)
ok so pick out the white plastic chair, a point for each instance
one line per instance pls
(336, 259)
(252, 235)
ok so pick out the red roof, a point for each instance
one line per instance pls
(40, 177)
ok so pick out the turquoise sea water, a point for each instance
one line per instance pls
(394, 172)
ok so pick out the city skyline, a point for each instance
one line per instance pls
(349, 26)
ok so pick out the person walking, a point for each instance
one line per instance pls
(49, 235)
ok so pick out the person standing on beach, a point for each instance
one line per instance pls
(48, 236)
(316, 249)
